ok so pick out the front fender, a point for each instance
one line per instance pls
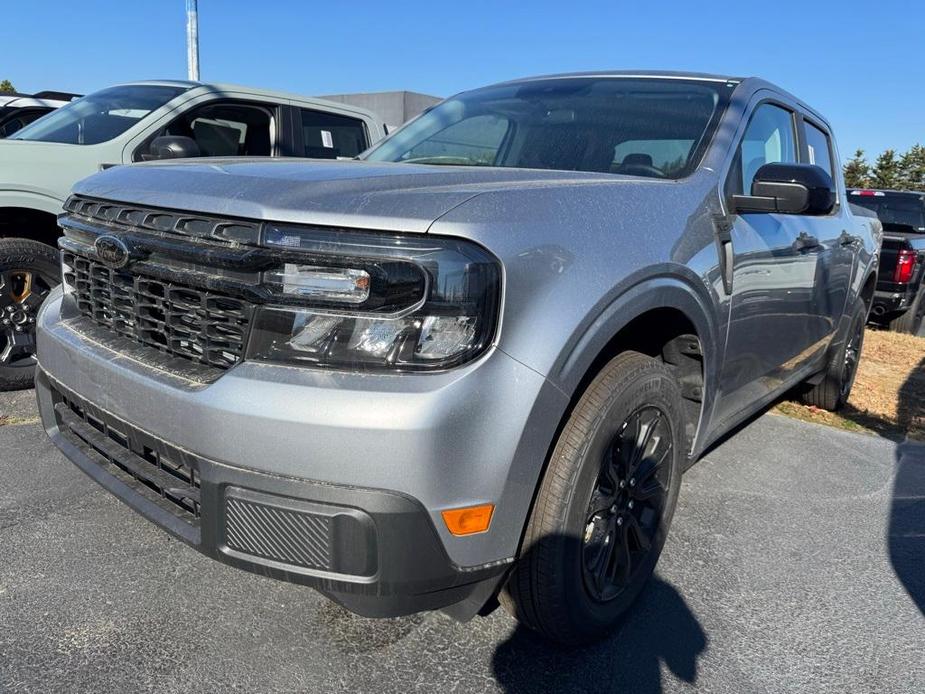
(660, 291)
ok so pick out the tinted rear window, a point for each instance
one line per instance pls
(897, 211)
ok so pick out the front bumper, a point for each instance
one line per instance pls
(331, 480)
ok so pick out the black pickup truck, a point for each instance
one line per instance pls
(898, 302)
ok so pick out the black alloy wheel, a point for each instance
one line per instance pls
(22, 292)
(627, 503)
(28, 272)
(852, 357)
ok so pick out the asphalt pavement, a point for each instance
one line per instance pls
(795, 563)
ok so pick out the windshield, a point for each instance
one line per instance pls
(634, 126)
(898, 210)
(99, 117)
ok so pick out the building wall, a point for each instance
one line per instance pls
(395, 108)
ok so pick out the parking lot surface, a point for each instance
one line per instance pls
(796, 562)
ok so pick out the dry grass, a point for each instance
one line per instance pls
(889, 394)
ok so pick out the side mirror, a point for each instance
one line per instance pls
(789, 189)
(173, 147)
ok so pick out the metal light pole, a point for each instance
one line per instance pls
(192, 40)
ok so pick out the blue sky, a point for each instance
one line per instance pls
(861, 64)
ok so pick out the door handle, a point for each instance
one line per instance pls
(806, 242)
(847, 239)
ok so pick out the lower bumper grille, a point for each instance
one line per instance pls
(159, 473)
(285, 535)
(203, 326)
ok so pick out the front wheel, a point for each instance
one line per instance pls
(28, 271)
(604, 504)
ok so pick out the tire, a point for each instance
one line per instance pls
(28, 272)
(554, 587)
(910, 322)
(832, 392)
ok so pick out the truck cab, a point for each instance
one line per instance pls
(130, 123)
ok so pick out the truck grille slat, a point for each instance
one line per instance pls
(162, 476)
(182, 224)
(186, 321)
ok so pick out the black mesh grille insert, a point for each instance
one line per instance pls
(284, 535)
(185, 321)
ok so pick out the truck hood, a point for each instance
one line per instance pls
(45, 168)
(384, 196)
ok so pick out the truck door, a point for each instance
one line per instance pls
(771, 321)
(836, 254)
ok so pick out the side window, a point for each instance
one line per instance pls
(769, 139)
(21, 120)
(819, 151)
(331, 135)
(222, 130)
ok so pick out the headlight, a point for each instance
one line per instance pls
(358, 300)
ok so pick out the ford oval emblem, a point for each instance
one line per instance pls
(112, 251)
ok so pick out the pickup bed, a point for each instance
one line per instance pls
(898, 302)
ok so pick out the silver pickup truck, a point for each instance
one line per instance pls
(472, 366)
(135, 122)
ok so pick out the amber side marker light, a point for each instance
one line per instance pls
(468, 520)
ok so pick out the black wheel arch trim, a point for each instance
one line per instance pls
(663, 287)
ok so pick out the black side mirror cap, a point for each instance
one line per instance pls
(173, 147)
(789, 189)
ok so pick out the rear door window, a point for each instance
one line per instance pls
(332, 135)
(818, 148)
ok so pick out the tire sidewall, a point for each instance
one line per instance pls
(656, 389)
(858, 320)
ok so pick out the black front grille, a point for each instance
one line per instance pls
(179, 319)
(161, 473)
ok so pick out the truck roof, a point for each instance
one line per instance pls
(652, 74)
(273, 94)
(755, 83)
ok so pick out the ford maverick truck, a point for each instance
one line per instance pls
(470, 367)
(131, 123)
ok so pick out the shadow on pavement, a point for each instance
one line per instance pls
(907, 514)
(660, 628)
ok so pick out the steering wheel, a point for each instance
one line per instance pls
(641, 170)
